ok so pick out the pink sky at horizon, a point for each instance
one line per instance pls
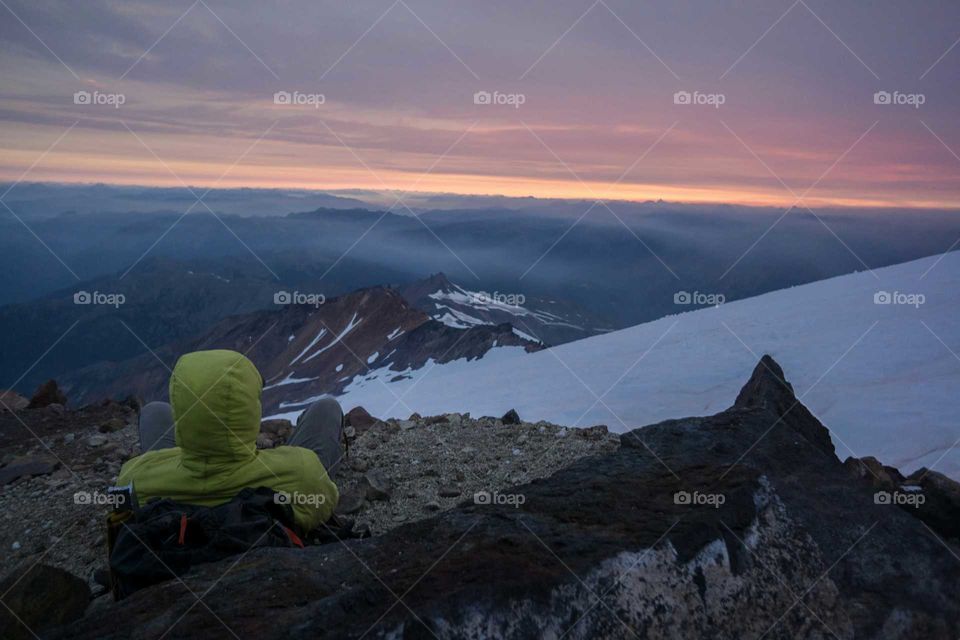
(799, 122)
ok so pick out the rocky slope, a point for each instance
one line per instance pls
(307, 348)
(744, 524)
(549, 321)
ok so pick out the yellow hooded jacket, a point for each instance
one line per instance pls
(215, 396)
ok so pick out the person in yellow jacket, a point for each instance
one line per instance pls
(201, 448)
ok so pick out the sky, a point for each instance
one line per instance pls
(779, 102)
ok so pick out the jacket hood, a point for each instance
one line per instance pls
(215, 397)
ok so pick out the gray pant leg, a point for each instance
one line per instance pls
(156, 427)
(320, 429)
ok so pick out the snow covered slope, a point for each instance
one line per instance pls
(885, 378)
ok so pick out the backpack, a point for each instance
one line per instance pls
(164, 539)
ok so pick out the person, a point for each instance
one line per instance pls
(201, 447)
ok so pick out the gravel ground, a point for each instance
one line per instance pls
(435, 463)
(395, 472)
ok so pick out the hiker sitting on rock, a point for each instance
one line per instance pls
(201, 448)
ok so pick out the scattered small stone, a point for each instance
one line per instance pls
(596, 432)
(15, 546)
(350, 433)
(406, 425)
(111, 425)
(433, 505)
(449, 492)
(379, 486)
(68, 438)
(351, 501)
(96, 441)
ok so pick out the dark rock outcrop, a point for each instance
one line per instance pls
(46, 394)
(359, 419)
(511, 417)
(37, 597)
(930, 496)
(941, 505)
(739, 525)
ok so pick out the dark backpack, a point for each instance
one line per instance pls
(164, 539)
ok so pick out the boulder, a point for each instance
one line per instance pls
(378, 486)
(940, 509)
(12, 401)
(46, 394)
(38, 597)
(277, 428)
(596, 432)
(28, 466)
(359, 419)
(351, 501)
(874, 472)
(511, 417)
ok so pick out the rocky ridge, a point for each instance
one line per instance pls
(744, 524)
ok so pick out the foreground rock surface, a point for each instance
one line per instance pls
(740, 525)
